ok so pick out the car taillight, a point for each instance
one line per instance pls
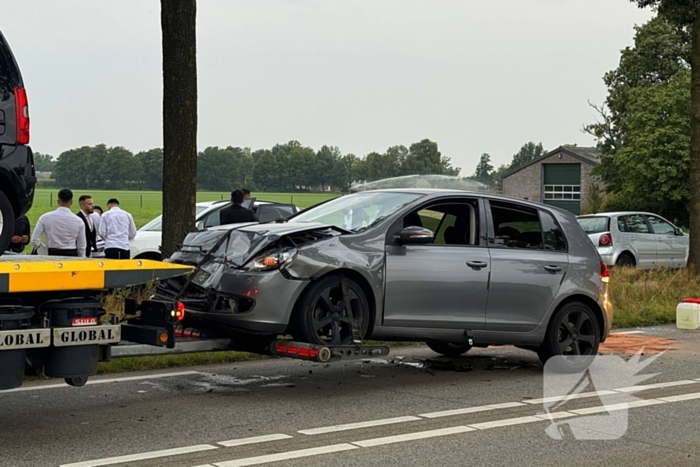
(604, 272)
(605, 240)
(22, 106)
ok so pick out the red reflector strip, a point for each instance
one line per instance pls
(281, 348)
(313, 352)
(178, 333)
(303, 352)
(292, 349)
(196, 334)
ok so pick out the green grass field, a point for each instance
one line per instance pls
(145, 205)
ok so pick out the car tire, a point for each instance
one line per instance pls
(572, 332)
(7, 222)
(448, 349)
(625, 261)
(319, 317)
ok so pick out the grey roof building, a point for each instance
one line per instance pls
(561, 178)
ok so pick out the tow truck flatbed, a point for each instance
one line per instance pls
(51, 314)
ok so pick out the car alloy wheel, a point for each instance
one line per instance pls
(573, 338)
(324, 313)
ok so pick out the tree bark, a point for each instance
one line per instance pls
(178, 23)
(694, 255)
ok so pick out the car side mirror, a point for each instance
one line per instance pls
(414, 235)
(199, 225)
(679, 232)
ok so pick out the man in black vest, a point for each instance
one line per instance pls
(236, 213)
(87, 207)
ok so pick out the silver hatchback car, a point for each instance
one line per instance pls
(446, 267)
(636, 239)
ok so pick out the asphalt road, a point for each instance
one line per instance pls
(413, 408)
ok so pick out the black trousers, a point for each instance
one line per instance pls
(117, 253)
(58, 252)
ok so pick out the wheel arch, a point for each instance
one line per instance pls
(627, 252)
(149, 255)
(7, 186)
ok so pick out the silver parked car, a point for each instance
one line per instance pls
(440, 266)
(638, 239)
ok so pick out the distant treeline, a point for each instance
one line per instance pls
(285, 167)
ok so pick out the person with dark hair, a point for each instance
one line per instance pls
(117, 228)
(87, 209)
(96, 217)
(236, 213)
(21, 237)
(246, 193)
(65, 233)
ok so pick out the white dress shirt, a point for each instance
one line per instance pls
(63, 230)
(117, 228)
(96, 222)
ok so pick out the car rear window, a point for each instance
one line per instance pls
(9, 74)
(592, 225)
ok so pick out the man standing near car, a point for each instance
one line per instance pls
(85, 214)
(236, 213)
(65, 233)
(117, 228)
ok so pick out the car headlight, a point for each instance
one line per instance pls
(272, 260)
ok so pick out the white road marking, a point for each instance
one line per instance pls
(555, 415)
(614, 407)
(254, 440)
(283, 456)
(682, 397)
(368, 443)
(468, 410)
(143, 456)
(627, 332)
(450, 413)
(505, 422)
(355, 426)
(103, 381)
(656, 386)
(581, 395)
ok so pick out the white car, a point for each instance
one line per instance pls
(147, 243)
(636, 239)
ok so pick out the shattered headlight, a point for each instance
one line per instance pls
(271, 260)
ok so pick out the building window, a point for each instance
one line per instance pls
(563, 192)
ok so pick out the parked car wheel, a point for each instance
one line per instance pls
(322, 314)
(448, 349)
(626, 261)
(7, 222)
(573, 337)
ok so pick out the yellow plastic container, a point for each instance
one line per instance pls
(688, 314)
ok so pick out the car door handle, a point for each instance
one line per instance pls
(552, 268)
(476, 264)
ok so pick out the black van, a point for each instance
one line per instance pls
(17, 175)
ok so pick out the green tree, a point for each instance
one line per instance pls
(178, 24)
(484, 170)
(528, 152)
(152, 164)
(44, 162)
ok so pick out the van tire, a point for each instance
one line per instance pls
(7, 222)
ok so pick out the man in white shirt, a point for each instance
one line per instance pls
(64, 231)
(117, 228)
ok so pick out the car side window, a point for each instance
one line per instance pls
(660, 226)
(554, 238)
(515, 226)
(213, 219)
(452, 223)
(632, 224)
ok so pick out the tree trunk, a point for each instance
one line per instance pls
(694, 256)
(178, 23)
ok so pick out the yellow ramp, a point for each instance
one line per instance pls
(24, 273)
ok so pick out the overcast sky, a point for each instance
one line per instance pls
(475, 76)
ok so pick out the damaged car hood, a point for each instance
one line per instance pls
(235, 245)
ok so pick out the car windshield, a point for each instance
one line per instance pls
(156, 225)
(358, 211)
(592, 225)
